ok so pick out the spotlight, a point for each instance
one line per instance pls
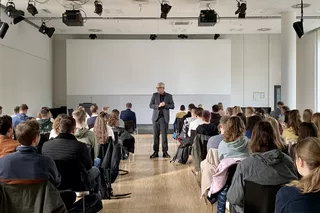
(242, 8)
(46, 30)
(98, 7)
(32, 8)
(153, 37)
(93, 36)
(216, 36)
(165, 9)
(18, 19)
(11, 10)
(298, 26)
(3, 29)
(182, 36)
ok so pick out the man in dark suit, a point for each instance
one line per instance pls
(128, 115)
(161, 102)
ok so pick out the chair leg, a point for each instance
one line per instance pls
(84, 203)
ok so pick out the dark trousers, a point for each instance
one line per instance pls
(160, 126)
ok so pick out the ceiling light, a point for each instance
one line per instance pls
(93, 36)
(165, 9)
(46, 30)
(153, 37)
(298, 26)
(242, 8)
(216, 36)
(32, 8)
(11, 10)
(3, 29)
(264, 29)
(98, 7)
(182, 36)
(18, 19)
(298, 6)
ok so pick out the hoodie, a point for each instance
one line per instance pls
(45, 126)
(88, 137)
(267, 168)
(207, 129)
(19, 118)
(234, 149)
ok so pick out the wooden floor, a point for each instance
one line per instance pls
(157, 186)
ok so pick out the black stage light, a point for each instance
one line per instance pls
(153, 37)
(242, 8)
(18, 19)
(3, 29)
(298, 27)
(216, 36)
(98, 7)
(182, 36)
(32, 8)
(11, 10)
(46, 30)
(165, 9)
(93, 36)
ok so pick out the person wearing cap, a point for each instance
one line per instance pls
(161, 102)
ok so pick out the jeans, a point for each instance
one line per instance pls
(222, 199)
(94, 179)
(97, 162)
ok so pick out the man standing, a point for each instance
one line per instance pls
(161, 102)
(128, 115)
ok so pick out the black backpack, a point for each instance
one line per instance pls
(182, 154)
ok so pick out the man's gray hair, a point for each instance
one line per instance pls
(161, 84)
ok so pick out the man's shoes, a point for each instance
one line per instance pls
(154, 155)
(166, 155)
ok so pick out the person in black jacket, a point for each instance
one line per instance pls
(215, 116)
(207, 128)
(66, 148)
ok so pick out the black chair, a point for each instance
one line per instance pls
(179, 125)
(43, 138)
(129, 126)
(193, 135)
(259, 198)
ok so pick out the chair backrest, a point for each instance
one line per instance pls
(73, 175)
(179, 125)
(259, 198)
(129, 126)
(193, 135)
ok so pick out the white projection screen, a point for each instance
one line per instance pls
(115, 71)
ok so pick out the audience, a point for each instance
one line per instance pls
(194, 124)
(114, 119)
(102, 130)
(65, 147)
(221, 110)
(284, 109)
(129, 115)
(214, 141)
(267, 165)
(84, 109)
(237, 111)
(215, 115)
(277, 112)
(7, 144)
(16, 111)
(307, 115)
(303, 195)
(45, 121)
(249, 112)
(188, 115)
(229, 111)
(26, 163)
(182, 112)
(276, 126)
(251, 122)
(21, 116)
(260, 112)
(0, 110)
(306, 130)
(187, 121)
(235, 143)
(106, 110)
(207, 128)
(83, 134)
(291, 132)
(94, 113)
(56, 126)
(316, 121)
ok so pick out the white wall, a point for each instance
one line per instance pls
(25, 69)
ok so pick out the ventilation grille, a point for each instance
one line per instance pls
(140, 1)
(236, 29)
(181, 23)
(46, 11)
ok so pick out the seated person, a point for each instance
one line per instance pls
(94, 113)
(129, 115)
(16, 111)
(56, 125)
(115, 121)
(66, 147)
(267, 165)
(194, 124)
(214, 141)
(45, 121)
(235, 143)
(83, 134)
(182, 112)
(291, 132)
(188, 115)
(251, 121)
(303, 195)
(215, 115)
(26, 163)
(105, 109)
(186, 124)
(249, 112)
(207, 128)
(221, 111)
(7, 144)
(21, 116)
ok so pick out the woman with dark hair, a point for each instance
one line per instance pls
(291, 133)
(306, 130)
(303, 195)
(252, 121)
(307, 115)
(267, 165)
(316, 121)
(260, 112)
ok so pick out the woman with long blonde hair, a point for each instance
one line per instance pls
(101, 129)
(303, 195)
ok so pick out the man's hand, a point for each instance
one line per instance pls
(162, 104)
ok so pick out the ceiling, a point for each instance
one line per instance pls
(142, 16)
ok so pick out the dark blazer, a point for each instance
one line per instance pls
(154, 104)
(128, 115)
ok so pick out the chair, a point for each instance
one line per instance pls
(179, 125)
(259, 198)
(129, 126)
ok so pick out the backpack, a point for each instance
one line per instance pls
(182, 154)
(93, 204)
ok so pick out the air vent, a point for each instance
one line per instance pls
(140, 1)
(114, 11)
(95, 30)
(46, 11)
(181, 23)
(236, 29)
(264, 29)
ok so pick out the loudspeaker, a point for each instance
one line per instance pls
(298, 27)
(3, 29)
